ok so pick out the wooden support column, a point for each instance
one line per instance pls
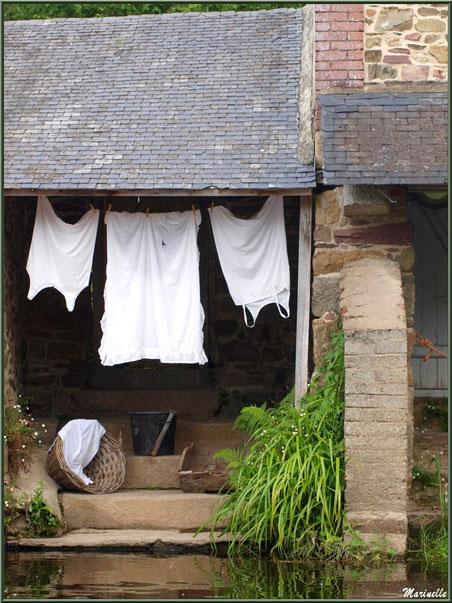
(303, 299)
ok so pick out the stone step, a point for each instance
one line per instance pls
(115, 378)
(198, 404)
(138, 509)
(118, 539)
(152, 472)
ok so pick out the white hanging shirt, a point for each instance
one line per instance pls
(81, 440)
(61, 254)
(152, 292)
(253, 257)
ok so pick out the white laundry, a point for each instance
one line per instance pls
(61, 254)
(81, 440)
(253, 257)
(152, 293)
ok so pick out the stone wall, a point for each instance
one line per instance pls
(405, 43)
(352, 223)
(376, 400)
(13, 301)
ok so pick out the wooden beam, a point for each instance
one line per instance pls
(156, 193)
(303, 300)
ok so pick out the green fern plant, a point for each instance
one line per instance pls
(288, 479)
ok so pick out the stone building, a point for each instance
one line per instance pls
(342, 109)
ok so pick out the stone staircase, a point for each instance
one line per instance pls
(150, 508)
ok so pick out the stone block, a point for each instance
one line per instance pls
(325, 293)
(381, 72)
(400, 233)
(321, 331)
(383, 494)
(375, 428)
(377, 472)
(327, 207)
(372, 56)
(376, 401)
(388, 443)
(364, 201)
(326, 261)
(382, 414)
(394, 19)
(380, 389)
(430, 25)
(439, 52)
(375, 363)
(413, 73)
(390, 347)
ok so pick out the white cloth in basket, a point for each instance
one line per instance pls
(81, 440)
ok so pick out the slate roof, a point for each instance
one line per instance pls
(179, 101)
(390, 138)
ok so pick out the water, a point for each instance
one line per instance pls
(58, 575)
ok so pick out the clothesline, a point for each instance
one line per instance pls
(101, 210)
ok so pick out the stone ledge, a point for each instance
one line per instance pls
(98, 539)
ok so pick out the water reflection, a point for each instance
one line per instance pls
(140, 576)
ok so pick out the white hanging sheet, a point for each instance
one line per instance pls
(152, 293)
(253, 257)
(81, 440)
(61, 254)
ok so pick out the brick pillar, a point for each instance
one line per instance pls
(376, 400)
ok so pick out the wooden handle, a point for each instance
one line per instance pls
(162, 434)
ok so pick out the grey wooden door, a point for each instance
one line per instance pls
(430, 319)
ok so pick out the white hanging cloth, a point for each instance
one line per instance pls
(61, 254)
(81, 440)
(253, 257)
(152, 293)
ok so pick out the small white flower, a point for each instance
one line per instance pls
(23, 460)
(39, 441)
(23, 445)
(43, 425)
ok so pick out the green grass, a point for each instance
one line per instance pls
(289, 479)
(431, 546)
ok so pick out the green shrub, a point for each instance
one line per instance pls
(288, 480)
(39, 516)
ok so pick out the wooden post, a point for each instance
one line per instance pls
(304, 298)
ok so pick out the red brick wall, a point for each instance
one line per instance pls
(339, 55)
(339, 46)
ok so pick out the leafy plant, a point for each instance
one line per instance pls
(20, 433)
(14, 502)
(288, 480)
(423, 477)
(39, 516)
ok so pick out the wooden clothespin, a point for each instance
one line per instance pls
(109, 209)
(212, 206)
(91, 206)
(147, 212)
(193, 208)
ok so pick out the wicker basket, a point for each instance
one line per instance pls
(107, 469)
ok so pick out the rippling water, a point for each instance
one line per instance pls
(58, 575)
